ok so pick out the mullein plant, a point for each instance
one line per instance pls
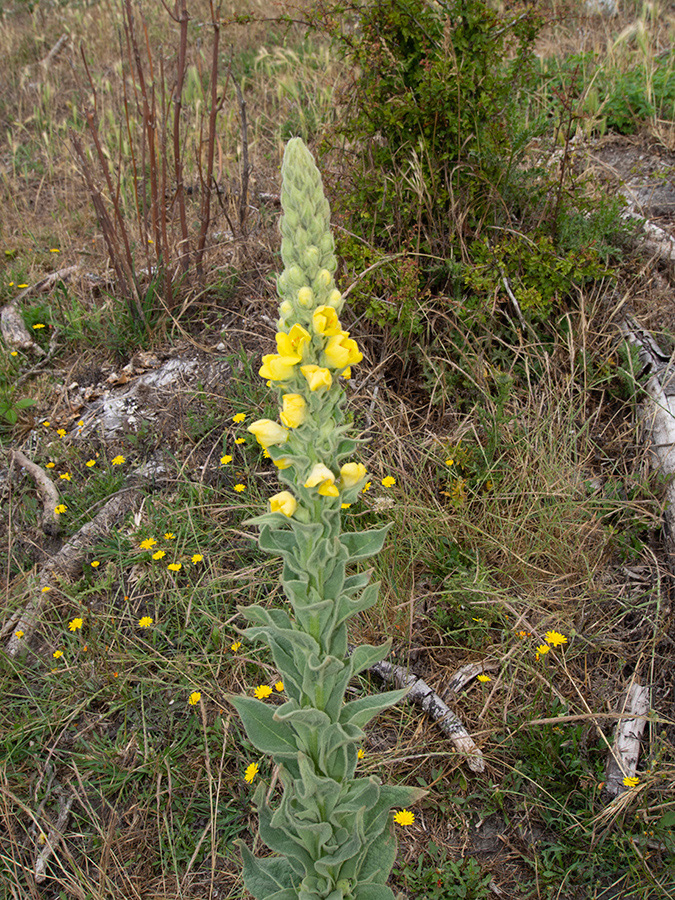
(331, 831)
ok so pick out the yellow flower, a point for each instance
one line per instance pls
(61, 432)
(283, 502)
(90, 462)
(305, 296)
(235, 646)
(46, 589)
(389, 481)
(325, 321)
(225, 460)
(293, 343)
(450, 462)
(118, 460)
(65, 475)
(404, 817)
(50, 465)
(37, 324)
(175, 567)
(554, 638)
(342, 351)
(75, 624)
(194, 698)
(145, 622)
(239, 418)
(239, 488)
(293, 410)
(279, 686)
(147, 543)
(169, 536)
(278, 368)
(268, 433)
(61, 508)
(57, 654)
(351, 473)
(197, 558)
(484, 678)
(345, 505)
(54, 250)
(240, 441)
(360, 753)
(251, 772)
(323, 479)
(631, 781)
(542, 650)
(14, 353)
(317, 377)
(46, 423)
(366, 487)
(262, 691)
(158, 554)
(19, 634)
(95, 564)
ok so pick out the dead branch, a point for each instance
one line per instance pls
(422, 695)
(46, 489)
(53, 836)
(623, 757)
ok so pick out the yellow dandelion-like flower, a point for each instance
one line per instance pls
(366, 487)
(54, 250)
(450, 461)
(631, 781)
(25, 286)
(14, 353)
(194, 698)
(239, 488)
(240, 441)
(262, 692)
(239, 418)
(66, 476)
(95, 563)
(175, 567)
(554, 638)
(169, 536)
(57, 654)
(19, 634)
(360, 753)
(61, 432)
(80, 424)
(147, 543)
(50, 465)
(145, 622)
(542, 650)
(46, 423)
(404, 817)
(46, 589)
(90, 462)
(251, 772)
(484, 678)
(75, 624)
(266, 454)
(118, 460)
(37, 325)
(197, 558)
(345, 505)
(389, 481)
(235, 646)
(61, 508)
(225, 460)
(524, 634)
(158, 554)
(279, 686)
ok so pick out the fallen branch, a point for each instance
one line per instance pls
(623, 757)
(46, 489)
(52, 837)
(422, 695)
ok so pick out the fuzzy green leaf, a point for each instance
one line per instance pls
(361, 544)
(265, 732)
(373, 892)
(264, 878)
(360, 712)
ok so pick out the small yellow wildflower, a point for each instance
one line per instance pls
(80, 424)
(50, 465)
(169, 536)
(61, 432)
(389, 481)
(240, 441)
(25, 286)
(46, 589)
(66, 476)
(57, 654)
(262, 691)
(95, 563)
(90, 462)
(542, 650)
(366, 487)
(225, 460)
(450, 461)
(194, 698)
(484, 678)
(345, 505)
(46, 423)
(145, 622)
(14, 353)
(54, 250)
(279, 686)
(175, 567)
(19, 634)
(235, 646)
(158, 554)
(75, 624)
(61, 508)
(197, 558)
(631, 781)
(404, 817)
(37, 324)
(251, 772)
(554, 638)
(524, 634)
(147, 543)
(360, 753)
(239, 488)
(118, 460)
(239, 418)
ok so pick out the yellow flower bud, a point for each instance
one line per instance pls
(317, 377)
(305, 296)
(283, 502)
(324, 278)
(334, 298)
(325, 321)
(268, 433)
(286, 308)
(294, 410)
(323, 479)
(342, 351)
(293, 343)
(277, 368)
(351, 473)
